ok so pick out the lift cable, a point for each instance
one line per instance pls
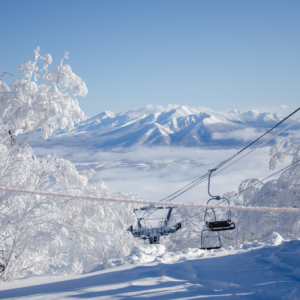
(203, 177)
(202, 180)
(283, 120)
(283, 169)
(259, 146)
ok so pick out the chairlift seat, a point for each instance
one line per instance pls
(154, 240)
(221, 225)
(210, 248)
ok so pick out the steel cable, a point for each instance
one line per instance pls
(201, 179)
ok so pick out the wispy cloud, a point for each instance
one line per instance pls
(247, 134)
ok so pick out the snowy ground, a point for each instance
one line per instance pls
(269, 269)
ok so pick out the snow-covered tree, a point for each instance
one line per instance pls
(281, 192)
(26, 106)
(40, 234)
(251, 225)
(43, 233)
(189, 236)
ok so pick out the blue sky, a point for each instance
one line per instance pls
(219, 54)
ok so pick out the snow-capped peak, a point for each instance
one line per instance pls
(183, 111)
(255, 116)
(171, 125)
(104, 115)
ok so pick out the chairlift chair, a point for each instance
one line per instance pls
(145, 231)
(210, 237)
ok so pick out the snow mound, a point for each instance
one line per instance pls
(275, 239)
(148, 250)
(143, 254)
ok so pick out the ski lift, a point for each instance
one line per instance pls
(215, 221)
(144, 229)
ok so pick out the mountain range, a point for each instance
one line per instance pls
(157, 126)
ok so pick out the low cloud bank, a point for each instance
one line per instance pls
(154, 173)
(245, 135)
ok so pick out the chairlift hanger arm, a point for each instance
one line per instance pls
(215, 197)
(168, 216)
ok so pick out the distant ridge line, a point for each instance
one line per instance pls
(181, 126)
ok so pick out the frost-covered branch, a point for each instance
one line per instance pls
(26, 106)
(41, 234)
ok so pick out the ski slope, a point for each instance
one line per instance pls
(269, 269)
